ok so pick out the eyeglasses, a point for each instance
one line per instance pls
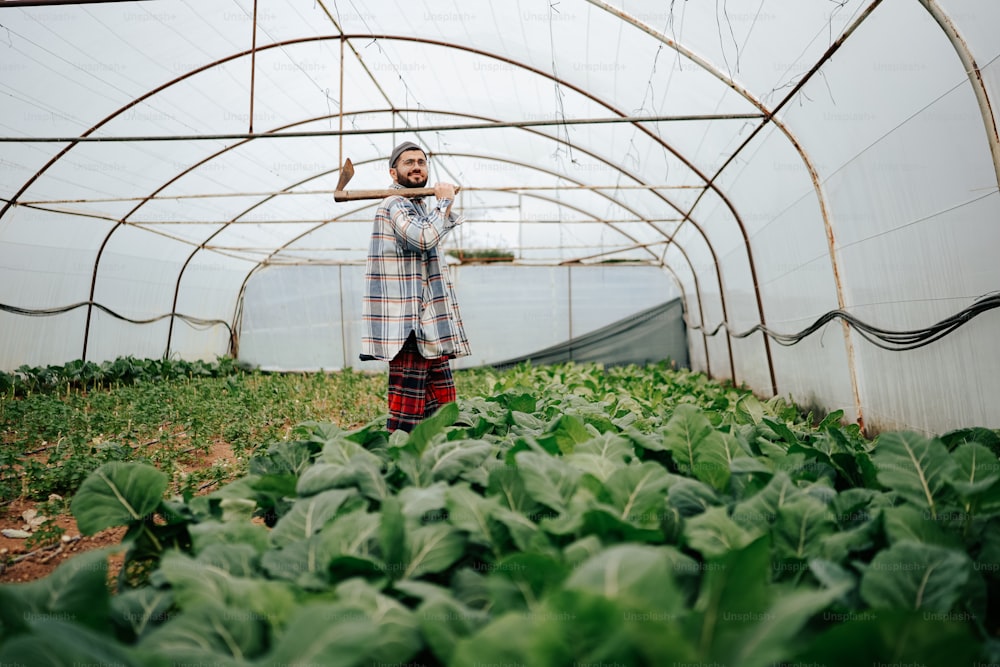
(410, 162)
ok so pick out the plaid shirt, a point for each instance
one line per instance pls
(406, 284)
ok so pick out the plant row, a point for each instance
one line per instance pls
(576, 515)
(79, 374)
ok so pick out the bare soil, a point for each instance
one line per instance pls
(20, 563)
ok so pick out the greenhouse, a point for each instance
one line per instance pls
(798, 200)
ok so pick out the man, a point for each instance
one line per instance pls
(410, 314)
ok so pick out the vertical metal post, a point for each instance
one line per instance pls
(253, 63)
(569, 301)
(340, 155)
(343, 320)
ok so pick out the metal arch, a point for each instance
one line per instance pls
(237, 315)
(287, 188)
(559, 140)
(342, 36)
(564, 205)
(807, 161)
(206, 159)
(556, 174)
(975, 77)
(667, 240)
(710, 184)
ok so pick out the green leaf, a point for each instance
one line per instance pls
(580, 550)
(207, 533)
(653, 443)
(603, 520)
(419, 501)
(978, 469)
(535, 574)
(601, 456)
(714, 533)
(359, 472)
(472, 513)
(751, 407)
(600, 631)
(447, 460)
(838, 546)
(197, 583)
(444, 621)
(713, 456)
(118, 494)
(282, 458)
(568, 431)
(76, 591)
(801, 527)
(831, 575)
(341, 450)
(524, 422)
(138, 610)
(434, 425)
(761, 509)
(58, 643)
(735, 584)
(506, 483)
(398, 627)
(432, 548)
(781, 430)
(691, 497)
(906, 523)
(768, 637)
(637, 576)
(684, 432)
(989, 438)
(240, 560)
(308, 561)
(639, 493)
(236, 500)
(548, 480)
(917, 577)
(523, 530)
(853, 506)
(916, 467)
(514, 639)
(208, 630)
(325, 634)
(392, 537)
(308, 516)
(890, 637)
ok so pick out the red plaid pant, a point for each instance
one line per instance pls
(417, 387)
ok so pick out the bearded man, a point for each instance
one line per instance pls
(409, 313)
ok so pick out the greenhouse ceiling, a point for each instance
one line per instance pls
(779, 159)
(608, 129)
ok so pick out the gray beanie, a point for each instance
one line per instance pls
(402, 148)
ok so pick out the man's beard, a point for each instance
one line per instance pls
(419, 182)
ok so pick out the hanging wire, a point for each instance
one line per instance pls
(196, 322)
(884, 338)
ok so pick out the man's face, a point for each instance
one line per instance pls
(411, 169)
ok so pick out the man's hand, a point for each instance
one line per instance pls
(444, 191)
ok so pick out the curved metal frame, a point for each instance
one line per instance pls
(975, 78)
(345, 39)
(793, 140)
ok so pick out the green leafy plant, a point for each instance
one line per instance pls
(482, 255)
(569, 515)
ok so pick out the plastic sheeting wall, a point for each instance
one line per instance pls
(309, 318)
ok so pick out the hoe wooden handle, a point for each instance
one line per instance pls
(354, 195)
